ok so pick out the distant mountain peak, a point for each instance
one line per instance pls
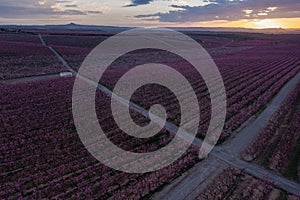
(72, 24)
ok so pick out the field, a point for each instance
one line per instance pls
(253, 72)
(233, 183)
(277, 146)
(42, 155)
(24, 55)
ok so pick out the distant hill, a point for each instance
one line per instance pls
(71, 26)
(78, 27)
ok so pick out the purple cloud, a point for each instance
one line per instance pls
(34, 8)
(138, 2)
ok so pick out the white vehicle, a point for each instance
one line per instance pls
(66, 74)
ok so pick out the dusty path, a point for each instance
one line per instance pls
(42, 40)
(191, 183)
(31, 78)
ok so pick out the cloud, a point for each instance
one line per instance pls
(229, 10)
(16, 12)
(42, 8)
(138, 3)
(71, 6)
(72, 12)
(94, 12)
(63, 1)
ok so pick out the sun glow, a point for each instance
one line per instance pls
(267, 23)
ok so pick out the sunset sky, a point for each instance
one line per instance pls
(153, 13)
